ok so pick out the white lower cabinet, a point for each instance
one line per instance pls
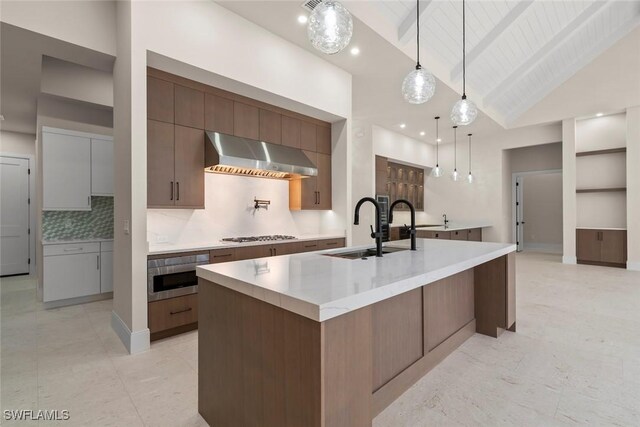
(74, 270)
(106, 270)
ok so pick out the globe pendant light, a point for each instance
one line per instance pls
(470, 177)
(437, 171)
(419, 85)
(464, 112)
(455, 176)
(330, 27)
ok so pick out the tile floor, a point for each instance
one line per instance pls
(574, 360)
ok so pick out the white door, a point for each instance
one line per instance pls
(14, 216)
(101, 167)
(66, 172)
(519, 214)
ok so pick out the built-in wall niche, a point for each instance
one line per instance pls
(400, 181)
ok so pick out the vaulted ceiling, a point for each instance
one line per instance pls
(517, 51)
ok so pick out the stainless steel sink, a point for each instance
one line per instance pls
(365, 253)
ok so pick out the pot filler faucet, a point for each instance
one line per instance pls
(374, 234)
(412, 231)
(446, 221)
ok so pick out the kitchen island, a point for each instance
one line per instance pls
(315, 339)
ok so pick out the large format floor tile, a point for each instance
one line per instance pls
(575, 359)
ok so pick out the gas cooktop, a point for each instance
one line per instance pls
(274, 237)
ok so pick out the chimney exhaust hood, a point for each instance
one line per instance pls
(242, 156)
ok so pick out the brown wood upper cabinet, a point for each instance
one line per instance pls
(290, 132)
(314, 192)
(218, 114)
(246, 120)
(175, 166)
(308, 136)
(160, 100)
(270, 126)
(601, 247)
(323, 139)
(189, 107)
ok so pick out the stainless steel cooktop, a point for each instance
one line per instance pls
(274, 237)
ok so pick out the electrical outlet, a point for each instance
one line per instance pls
(162, 238)
(126, 227)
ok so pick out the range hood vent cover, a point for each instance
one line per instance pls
(242, 156)
(311, 4)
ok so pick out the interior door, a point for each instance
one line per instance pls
(14, 216)
(519, 214)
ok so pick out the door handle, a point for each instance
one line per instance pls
(177, 190)
(171, 190)
(318, 197)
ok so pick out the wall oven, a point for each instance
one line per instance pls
(173, 276)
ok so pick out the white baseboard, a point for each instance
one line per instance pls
(135, 342)
(569, 260)
(633, 265)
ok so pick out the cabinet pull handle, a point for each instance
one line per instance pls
(275, 251)
(171, 190)
(180, 311)
(310, 246)
(72, 249)
(331, 243)
(97, 262)
(177, 190)
(220, 256)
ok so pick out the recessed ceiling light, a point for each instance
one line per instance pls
(599, 115)
(422, 133)
(302, 19)
(355, 51)
(402, 126)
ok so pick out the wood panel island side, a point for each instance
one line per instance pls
(317, 340)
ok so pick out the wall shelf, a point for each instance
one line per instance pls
(599, 152)
(600, 190)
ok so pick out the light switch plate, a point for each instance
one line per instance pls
(126, 227)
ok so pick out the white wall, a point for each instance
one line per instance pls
(633, 188)
(17, 143)
(229, 212)
(601, 133)
(536, 158)
(73, 81)
(569, 191)
(207, 36)
(542, 206)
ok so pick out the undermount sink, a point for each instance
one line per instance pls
(365, 253)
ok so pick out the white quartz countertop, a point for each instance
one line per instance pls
(601, 228)
(168, 248)
(64, 241)
(455, 226)
(321, 287)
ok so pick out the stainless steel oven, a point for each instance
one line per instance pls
(173, 276)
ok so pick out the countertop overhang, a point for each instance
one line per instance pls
(321, 287)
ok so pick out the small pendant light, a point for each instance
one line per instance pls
(455, 176)
(419, 85)
(470, 177)
(437, 171)
(464, 112)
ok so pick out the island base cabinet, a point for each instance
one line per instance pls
(495, 296)
(171, 316)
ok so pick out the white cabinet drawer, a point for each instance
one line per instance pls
(106, 246)
(71, 248)
(71, 276)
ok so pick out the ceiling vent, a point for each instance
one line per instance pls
(311, 4)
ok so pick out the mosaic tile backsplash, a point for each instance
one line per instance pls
(69, 225)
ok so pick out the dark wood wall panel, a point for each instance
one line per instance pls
(397, 335)
(448, 307)
(490, 296)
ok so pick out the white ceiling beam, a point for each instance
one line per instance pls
(556, 41)
(407, 27)
(492, 36)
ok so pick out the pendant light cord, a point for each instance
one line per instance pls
(469, 154)
(464, 59)
(455, 148)
(437, 143)
(418, 66)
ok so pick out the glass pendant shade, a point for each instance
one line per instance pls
(436, 172)
(464, 112)
(419, 86)
(455, 175)
(470, 178)
(330, 27)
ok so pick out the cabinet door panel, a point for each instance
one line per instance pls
(70, 276)
(324, 181)
(309, 196)
(459, 235)
(222, 255)
(290, 132)
(160, 164)
(474, 235)
(106, 272)
(308, 136)
(160, 100)
(246, 120)
(270, 127)
(102, 167)
(189, 166)
(66, 172)
(588, 245)
(251, 252)
(189, 107)
(323, 139)
(614, 246)
(218, 114)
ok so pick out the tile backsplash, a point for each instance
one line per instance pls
(68, 225)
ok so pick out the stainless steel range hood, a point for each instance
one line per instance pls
(242, 156)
